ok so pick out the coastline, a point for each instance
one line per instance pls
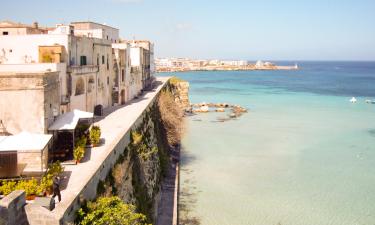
(277, 194)
(223, 68)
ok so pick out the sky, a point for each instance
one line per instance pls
(223, 29)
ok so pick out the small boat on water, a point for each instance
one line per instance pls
(353, 100)
(368, 101)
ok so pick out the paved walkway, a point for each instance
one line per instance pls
(167, 212)
(113, 126)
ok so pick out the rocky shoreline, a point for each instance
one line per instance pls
(234, 111)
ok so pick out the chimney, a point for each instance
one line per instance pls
(35, 25)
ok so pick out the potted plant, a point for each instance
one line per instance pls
(78, 153)
(54, 169)
(45, 186)
(95, 134)
(81, 141)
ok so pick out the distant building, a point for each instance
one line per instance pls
(235, 63)
(259, 64)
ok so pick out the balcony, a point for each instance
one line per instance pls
(86, 69)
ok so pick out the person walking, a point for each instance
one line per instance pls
(56, 188)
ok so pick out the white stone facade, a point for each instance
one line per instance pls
(94, 67)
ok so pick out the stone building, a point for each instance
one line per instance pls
(123, 79)
(84, 64)
(29, 101)
(94, 67)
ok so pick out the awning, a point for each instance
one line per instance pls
(69, 121)
(24, 142)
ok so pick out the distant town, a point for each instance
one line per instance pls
(186, 64)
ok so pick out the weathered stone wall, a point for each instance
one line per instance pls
(137, 175)
(180, 91)
(27, 101)
(12, 211)
(131, 171)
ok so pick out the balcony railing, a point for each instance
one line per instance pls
(83, 69)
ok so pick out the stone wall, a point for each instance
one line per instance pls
(180, 90)
(12, 211)
(27, 101)
(133, 172)
(35, 160)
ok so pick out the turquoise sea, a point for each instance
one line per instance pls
(303, 155)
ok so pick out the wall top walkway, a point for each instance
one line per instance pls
(113, 126)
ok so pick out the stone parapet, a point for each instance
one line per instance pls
(12, 210)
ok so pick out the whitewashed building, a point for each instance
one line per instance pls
(84, 66)
(94, 68)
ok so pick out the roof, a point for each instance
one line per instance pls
(11, 24)
(85, 22)
(69, 121)
(24, 142)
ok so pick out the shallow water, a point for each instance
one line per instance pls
(302, 155)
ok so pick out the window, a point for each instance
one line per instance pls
(107, 62)
(122, 75)
(107, 37)
(107, 80)
(83, 60)
(5, 33)
(103, 59)
(97, 60)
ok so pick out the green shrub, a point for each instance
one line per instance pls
(78, 153)
(136, 138)
(81, 142)
(81, 129)
(110, 211)
(46, 183)
(31, 187)
(95, 134)
(54, 169)
(7, 187)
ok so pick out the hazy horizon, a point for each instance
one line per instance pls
(268, 30)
